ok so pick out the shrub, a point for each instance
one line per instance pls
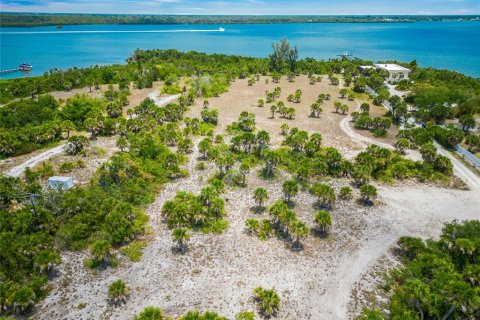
(150, 313)
(117, 292)
(368, 193)
(346, 193)
(268, 301)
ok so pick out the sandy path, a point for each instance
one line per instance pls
(32, 162)
(362, 140)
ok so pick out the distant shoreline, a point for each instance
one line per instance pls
(11, 19)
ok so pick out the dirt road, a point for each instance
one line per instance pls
(32, 162)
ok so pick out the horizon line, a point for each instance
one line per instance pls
(246, 15)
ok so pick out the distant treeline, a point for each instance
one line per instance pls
(39, 19)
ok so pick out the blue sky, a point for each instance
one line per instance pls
(320, 7)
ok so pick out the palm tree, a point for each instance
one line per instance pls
(337, 105)
(271, 158)
(23, 299)
(325, 194)
(299, 230)
(402, 144)
(206, 103)
(268, 301)
(100, 250)
(428, 151)
(252, 225)
(244, 170)
(273, 109)
(324, 221)
(277, 210)
(118, 292)
(346, 193)
(122, 143)
(181, 237)
(368, 192)
(46, 260)
(290, 189)
(284, 127)
(204, 146)
(67, 126)
(260, 195)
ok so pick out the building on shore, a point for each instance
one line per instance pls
(396, 73)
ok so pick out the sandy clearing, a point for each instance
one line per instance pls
(244, 98)
(220, 271)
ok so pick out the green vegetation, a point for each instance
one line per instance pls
(268, 301)
(27, 125)
(438, 279)
(106, 213)
(150, 313)
(153, 313)
(324, 221)
(203, 212)
(44, 19)
(106, 216)
(117, 292)
(284, 221)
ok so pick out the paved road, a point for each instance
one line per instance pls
(460, 169)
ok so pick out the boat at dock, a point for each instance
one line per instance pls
(25, 67)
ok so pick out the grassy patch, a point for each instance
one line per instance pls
(134, 250)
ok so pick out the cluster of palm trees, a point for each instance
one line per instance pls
(250, 143)
(295, 97)
(340, 107)
(300, 141)
(187, 210)
(283, 220)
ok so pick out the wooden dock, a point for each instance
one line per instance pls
(25, 67)
(7, 71)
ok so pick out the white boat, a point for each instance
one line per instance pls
(221, 29)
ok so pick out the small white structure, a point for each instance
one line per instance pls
(61, 183)
(396, 73)
(363, 69)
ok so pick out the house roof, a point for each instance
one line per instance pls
(60, 179)
(391, 67)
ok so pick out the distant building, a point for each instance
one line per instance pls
(61, 183)
(396, 73)
(363, 69)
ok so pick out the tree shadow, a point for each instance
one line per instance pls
(366, 203)
(318, 233)
(257, 209)
(179, 251)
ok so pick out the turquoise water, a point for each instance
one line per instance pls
(450, 45)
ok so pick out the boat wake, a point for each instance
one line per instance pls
(113, 31)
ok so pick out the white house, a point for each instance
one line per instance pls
(396, 73)
(61, 183)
